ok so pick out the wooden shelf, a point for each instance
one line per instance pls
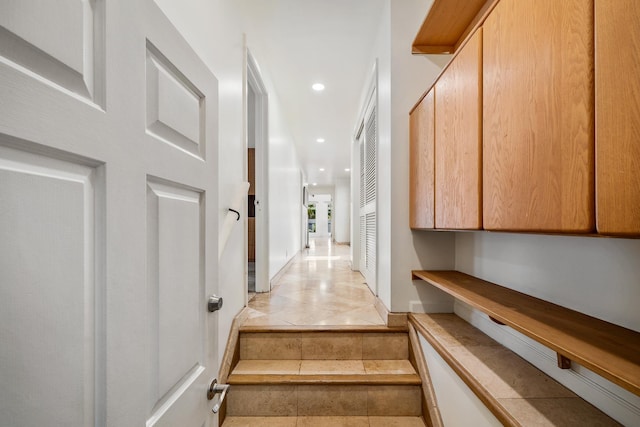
(607, 349)
(448, 23)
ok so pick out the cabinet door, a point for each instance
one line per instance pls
(421, 169)
(251, 170)
(618, 121)
(538, 119)
(458, 143)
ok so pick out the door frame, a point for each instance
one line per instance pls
(254, 80)
(369, 102)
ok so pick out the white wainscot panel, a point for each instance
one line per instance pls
(457, 403)
(49, 291)
(60, 41)
(175, 107)
(176, 291)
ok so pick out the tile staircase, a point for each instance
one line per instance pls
(323, 376)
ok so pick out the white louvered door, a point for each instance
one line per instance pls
(368, 190)
(108, 217)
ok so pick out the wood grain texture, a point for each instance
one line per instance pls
(251, 170)
(458, 95)
(445, 24)
(421, 164)
(607, 349)
(251, 239)
(538, 116)
(617, 65)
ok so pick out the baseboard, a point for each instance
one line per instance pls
(618, 403)
(382, 309)
(392, 320)
(276, 277)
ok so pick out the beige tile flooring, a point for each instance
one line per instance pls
(317, 288)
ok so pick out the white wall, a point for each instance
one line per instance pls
(597, 276)
(285, 180)
(341, 211)
(213, 29)
(402, 78)
(321, 189)
(410, 76)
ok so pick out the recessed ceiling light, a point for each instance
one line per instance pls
(318, 87)
(314, 184)
(320, 140)
(321, 169)
(347, 170)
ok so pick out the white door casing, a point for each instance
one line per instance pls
(108, 217)
(260, 127)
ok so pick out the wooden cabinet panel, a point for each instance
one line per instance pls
(251, 239)
(251, 170)
(538, 118)
(421, 166)
(458, 145)
(617, 116)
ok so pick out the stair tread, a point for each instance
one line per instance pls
(324, 371)
(321, 328)
(325, 379)
(346, 421)
(319, 367)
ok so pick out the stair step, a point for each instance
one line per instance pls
(322, 328)
(276, 400)
(323, 422)
(370, 344)
(324, 372)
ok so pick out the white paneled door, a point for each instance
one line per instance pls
(108, 217)
(367, 140)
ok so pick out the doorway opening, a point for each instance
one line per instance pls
(257, 174)
(319, 214)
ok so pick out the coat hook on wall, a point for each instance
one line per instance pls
(236, 212)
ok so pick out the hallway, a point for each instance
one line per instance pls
(317, 288)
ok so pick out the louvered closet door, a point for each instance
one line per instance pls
(108, 217)
(368, 178)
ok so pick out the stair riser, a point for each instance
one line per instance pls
(323, 400)
(325, 345)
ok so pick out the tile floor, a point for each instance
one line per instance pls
(317, 288)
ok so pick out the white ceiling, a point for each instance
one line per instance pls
(307, 41)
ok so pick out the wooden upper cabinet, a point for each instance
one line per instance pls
(448, 23)
(458, 140)
(421, 164)
(617, 116)
(538, 116)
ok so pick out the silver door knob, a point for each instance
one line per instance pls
(215, 303)
(214, 389)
